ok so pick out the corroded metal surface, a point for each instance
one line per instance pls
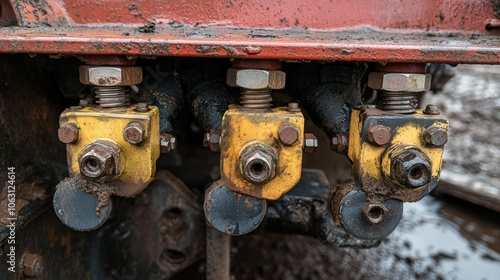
(432, 16)
(371, 46)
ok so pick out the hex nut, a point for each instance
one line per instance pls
(310, 143)
(32, 265)
(374, 213)
(288, 134)
(68, 133)
(256, 79)
(379, 135)
(134, 133)
(258, 164)
(168, 143)
(406, 82)
(100, 160)
(110, 75)
(435, 136)
(339, 144)
(410, 167)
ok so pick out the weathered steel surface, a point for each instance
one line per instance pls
(369, 46)
(448, 15)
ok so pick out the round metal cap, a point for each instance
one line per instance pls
(232, 213)
(77, 209)
(354, 220)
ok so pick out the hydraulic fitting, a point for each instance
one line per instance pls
(120, 146)
(394, 155)
(260, 149)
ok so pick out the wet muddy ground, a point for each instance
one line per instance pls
(440, 237)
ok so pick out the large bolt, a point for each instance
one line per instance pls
(310, 143)
(110, 75)
(379, 134)
(374, 213)
(68, 133)
(288, 134)
(32, 265)
(100, 160)
(410, 167)
(258, 164)
(436, 136)
(256, 79)
(134, 133)
(405, 82)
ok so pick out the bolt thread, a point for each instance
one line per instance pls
(256, 99)
(399, 102)
(113, 96)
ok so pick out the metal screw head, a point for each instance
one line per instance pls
(432, 110)
(411, 168)
(435, 136)
(256, 78)
(258, 164)
(134, 133)
(168, 143)
(293, 107)
(68, 133)
(374, 213)
(84, 103)
(288, 134)
(32, 265)
(379, 134)
(142, 107)
(310, 143)
(339, 143)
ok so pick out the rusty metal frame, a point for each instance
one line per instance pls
(300, 45)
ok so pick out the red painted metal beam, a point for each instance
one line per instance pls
(228, 43)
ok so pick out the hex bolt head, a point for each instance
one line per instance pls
(432, 110)
(257, 79)
(379, 135)
(68, 133)
(110, 75)
(288, 134)
(374, 213)
(310, 143)
(339, 144)
(435, 136)
(134, 133)
(405, 82)
(411, 168)
(258, 164)
(32, 265)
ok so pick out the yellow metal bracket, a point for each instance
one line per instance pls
(374, 164)
(243, 129)
(137, 162)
